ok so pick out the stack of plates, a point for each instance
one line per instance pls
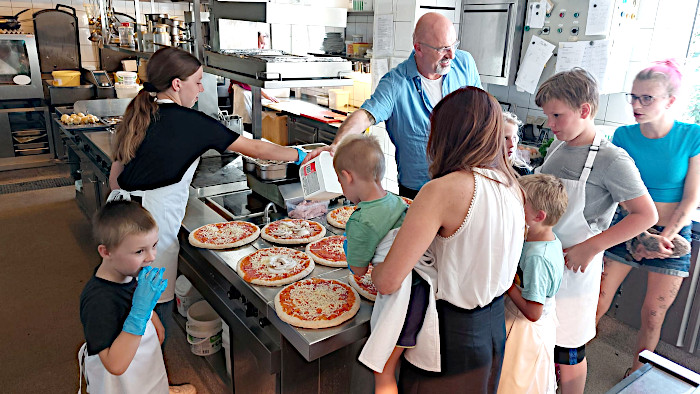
(333, 43)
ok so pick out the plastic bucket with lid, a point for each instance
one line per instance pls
(203, 329)
(66, 78)
(127, 77)
(226, 343)
(126, 90)
(185, 295)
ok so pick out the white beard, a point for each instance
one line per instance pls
(442, 70)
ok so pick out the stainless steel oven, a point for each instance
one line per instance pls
(20, 75)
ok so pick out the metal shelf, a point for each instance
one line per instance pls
(133, 52)
(292, 83)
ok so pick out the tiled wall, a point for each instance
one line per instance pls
(88, 50)
(360, 24)
(664, 32)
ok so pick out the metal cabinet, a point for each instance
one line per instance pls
(325, 137)
(300, 133)
(492, 31)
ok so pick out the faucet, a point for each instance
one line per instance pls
(266, 214)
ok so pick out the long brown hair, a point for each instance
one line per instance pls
(466, 130)
(164, 66)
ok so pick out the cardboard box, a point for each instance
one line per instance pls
(274, 128)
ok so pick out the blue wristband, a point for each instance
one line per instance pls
(302, 155)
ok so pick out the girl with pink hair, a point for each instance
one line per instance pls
(667, 154)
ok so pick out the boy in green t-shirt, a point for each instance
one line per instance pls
(528, 360)
(359, 164)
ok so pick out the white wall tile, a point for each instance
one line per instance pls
(383, 7)
(391, 173)
(404, 11)
(647, 13)
(602, 107)
(498, 91)
(281, 37)
(642, 43)
(520, 99)
(392, 186)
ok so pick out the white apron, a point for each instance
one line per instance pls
(577, 299)
(389, 314)
(146, 373)
(528, 361)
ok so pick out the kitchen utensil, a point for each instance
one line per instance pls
(11, 22)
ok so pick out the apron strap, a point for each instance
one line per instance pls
(82, 355)
(123, 195)
(592, 152)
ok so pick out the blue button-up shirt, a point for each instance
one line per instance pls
(401, 102)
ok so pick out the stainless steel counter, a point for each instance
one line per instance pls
(312, 344)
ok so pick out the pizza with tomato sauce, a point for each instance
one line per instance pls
(363, 284)
(224, 235)
(339, 216)
(293, 231)
(328, 251)
(407, 200)
(274, 266)
(317, 303)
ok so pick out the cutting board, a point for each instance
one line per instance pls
(324, 116)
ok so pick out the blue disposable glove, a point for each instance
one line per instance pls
(302, 156)
(148, 290)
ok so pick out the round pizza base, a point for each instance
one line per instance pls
(293, 241)
(366, 294)
(322, 261)
(315, 324)
(196, 243)
(332, 221)
(278, 282)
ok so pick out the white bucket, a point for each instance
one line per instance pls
(127, 77)
(203, 329)
(226, 343)
(185, 295)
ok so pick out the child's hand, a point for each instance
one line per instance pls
(578, 257)
(150, 286)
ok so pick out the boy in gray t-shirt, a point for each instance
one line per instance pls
(597, 176)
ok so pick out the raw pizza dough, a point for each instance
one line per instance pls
(317, 303)
(224, 235)
(274, 266)
(339, 216)
(364, 286)
(328, 251)
(293, 231)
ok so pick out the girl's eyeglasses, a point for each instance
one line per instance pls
(644, 99)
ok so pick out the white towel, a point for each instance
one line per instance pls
(389, 315)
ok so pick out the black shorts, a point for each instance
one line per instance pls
(569, 356)
(415, 315)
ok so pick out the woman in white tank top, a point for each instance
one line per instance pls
(470, 215)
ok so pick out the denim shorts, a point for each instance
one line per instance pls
(677, 266)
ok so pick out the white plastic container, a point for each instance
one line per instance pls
(203, 329)
(185, 295)
(126, 91)
(127, 77)
(226, 343)
(338, 99)
(318, 178)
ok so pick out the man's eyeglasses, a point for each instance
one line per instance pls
(644, 99)
(443, 50)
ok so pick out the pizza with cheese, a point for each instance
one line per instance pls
(274, 266)
(317, 303)
(293, 231)
(363, 284)
(224, 235)
(328, 251)
(407, 200)
(339, 216)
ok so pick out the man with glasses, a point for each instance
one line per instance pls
(406, 95)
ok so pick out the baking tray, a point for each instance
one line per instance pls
(29, 132)
(266, 170)
(32, 145)
(99, 125)
(26, 139)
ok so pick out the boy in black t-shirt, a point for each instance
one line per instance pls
(122, 351)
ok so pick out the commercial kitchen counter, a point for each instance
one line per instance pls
(267, 353)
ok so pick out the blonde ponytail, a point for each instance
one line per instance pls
(132, 129)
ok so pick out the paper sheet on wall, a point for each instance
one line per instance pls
(590, 55)
(379, 68)
(536, 11)
(599, 17)
(536, 56)
(384, 35)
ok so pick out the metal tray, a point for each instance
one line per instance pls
(99, 125)
(271, 172)
(30, 132)
(32, 145)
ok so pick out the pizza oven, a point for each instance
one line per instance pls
(267, 354)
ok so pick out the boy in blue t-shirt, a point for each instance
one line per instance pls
(528, 361)
(359, 164)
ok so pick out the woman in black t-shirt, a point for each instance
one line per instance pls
(158, 145)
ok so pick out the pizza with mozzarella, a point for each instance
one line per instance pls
(339, 216)
(293, 231)
(274, 266)
(224, 235)
(363, 284)
(328, 251)
(317, 303)
(407, 200)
